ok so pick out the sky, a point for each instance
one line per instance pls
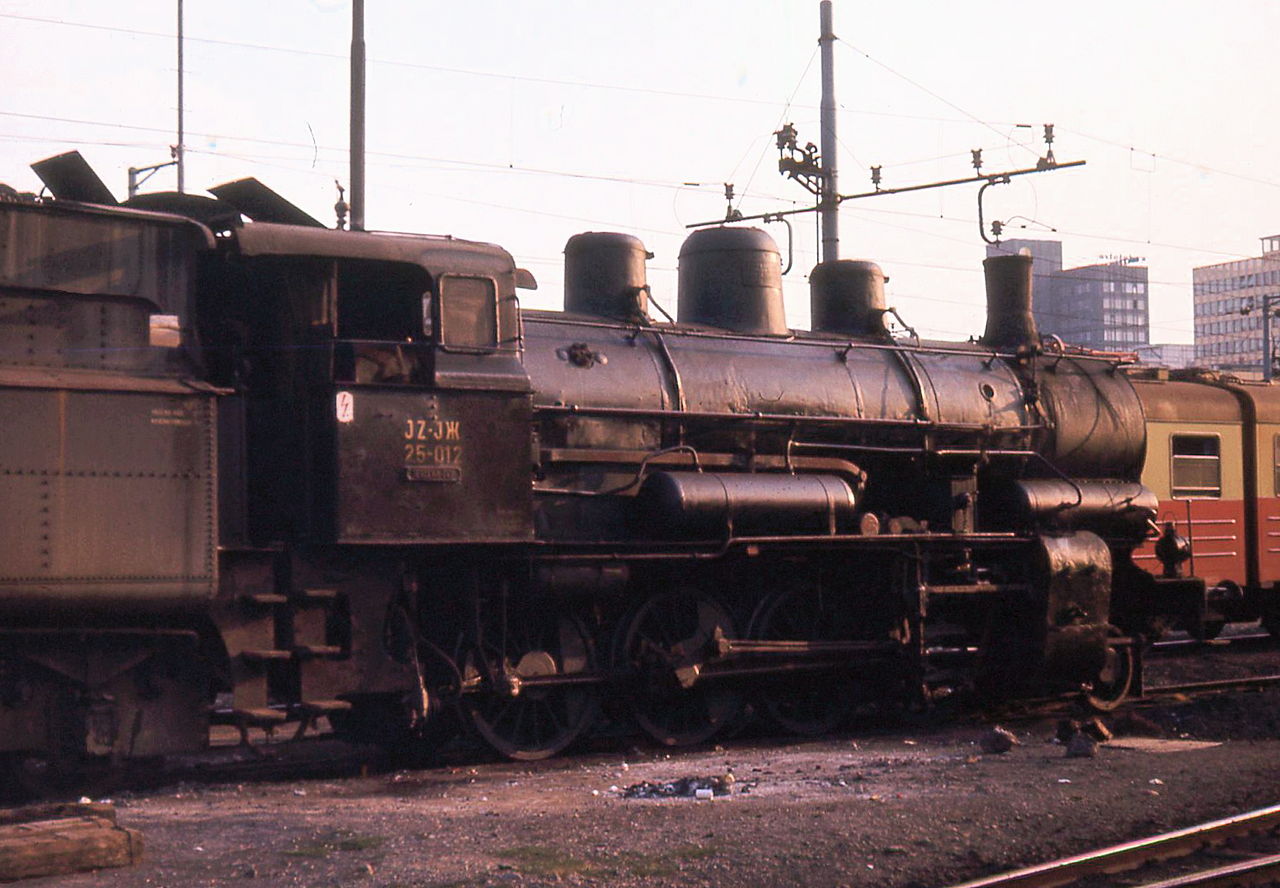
(526, 121)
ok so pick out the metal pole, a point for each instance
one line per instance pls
(180, 149)
(357, 115)
(830, 200)
(1266, 338)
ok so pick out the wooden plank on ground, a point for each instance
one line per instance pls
(50, 840)
(53, 810)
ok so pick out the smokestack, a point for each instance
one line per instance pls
(1010, 324)
(357, 115)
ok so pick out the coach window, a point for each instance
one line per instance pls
(1275, 462)
(468, 312)
(1196, 466)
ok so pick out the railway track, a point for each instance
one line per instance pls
(1190, 646)
(1209, 687)
(1231, 653)
(323, 754)
(1263, 869)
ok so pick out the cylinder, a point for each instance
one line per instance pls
(732, 278)
(604, 275)
(717, 505)
(847, 296)
(1010, 324)
(1111, 509)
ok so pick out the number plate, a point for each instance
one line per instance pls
(442, 474)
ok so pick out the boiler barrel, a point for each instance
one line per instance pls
(715, 505)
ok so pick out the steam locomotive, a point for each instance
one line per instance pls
(262, 472)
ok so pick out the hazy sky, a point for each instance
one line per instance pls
(524, 122)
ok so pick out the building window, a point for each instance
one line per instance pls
(1195, 466)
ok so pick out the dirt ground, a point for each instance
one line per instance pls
(908, 805)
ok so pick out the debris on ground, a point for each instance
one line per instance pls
(1134, 724)
(1161, 745)
(62, 838)
(1082, 746)
(998, 741)
(1082, 738)
(1097, 729)
(685, 787)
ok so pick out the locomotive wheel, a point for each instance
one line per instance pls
(670, 632)
(807, 704)
(525, 722)
(1114, 682)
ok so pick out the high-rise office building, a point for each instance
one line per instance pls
(1170, 355)
(1103, 306)
(1230, 299)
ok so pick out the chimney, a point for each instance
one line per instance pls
(1010, 324)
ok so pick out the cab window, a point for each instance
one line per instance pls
(1196, 466)
(468, 312)
(381, 301)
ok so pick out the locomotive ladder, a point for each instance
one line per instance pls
(279, 646)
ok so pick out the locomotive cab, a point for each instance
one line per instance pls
(383, 389)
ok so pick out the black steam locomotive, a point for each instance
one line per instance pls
(258, 471)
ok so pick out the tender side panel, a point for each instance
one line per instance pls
(109, 500)
(100, 253)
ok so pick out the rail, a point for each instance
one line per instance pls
(1130, 855)
(1221, 684)
(1262, 871)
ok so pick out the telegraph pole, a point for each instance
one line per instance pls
(814, 167)
(829, 199)
(1269, 303)
(180, 149)
(357, 115)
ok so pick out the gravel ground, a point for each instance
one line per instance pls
(906, 806)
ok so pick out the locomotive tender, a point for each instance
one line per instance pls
(262, 472)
